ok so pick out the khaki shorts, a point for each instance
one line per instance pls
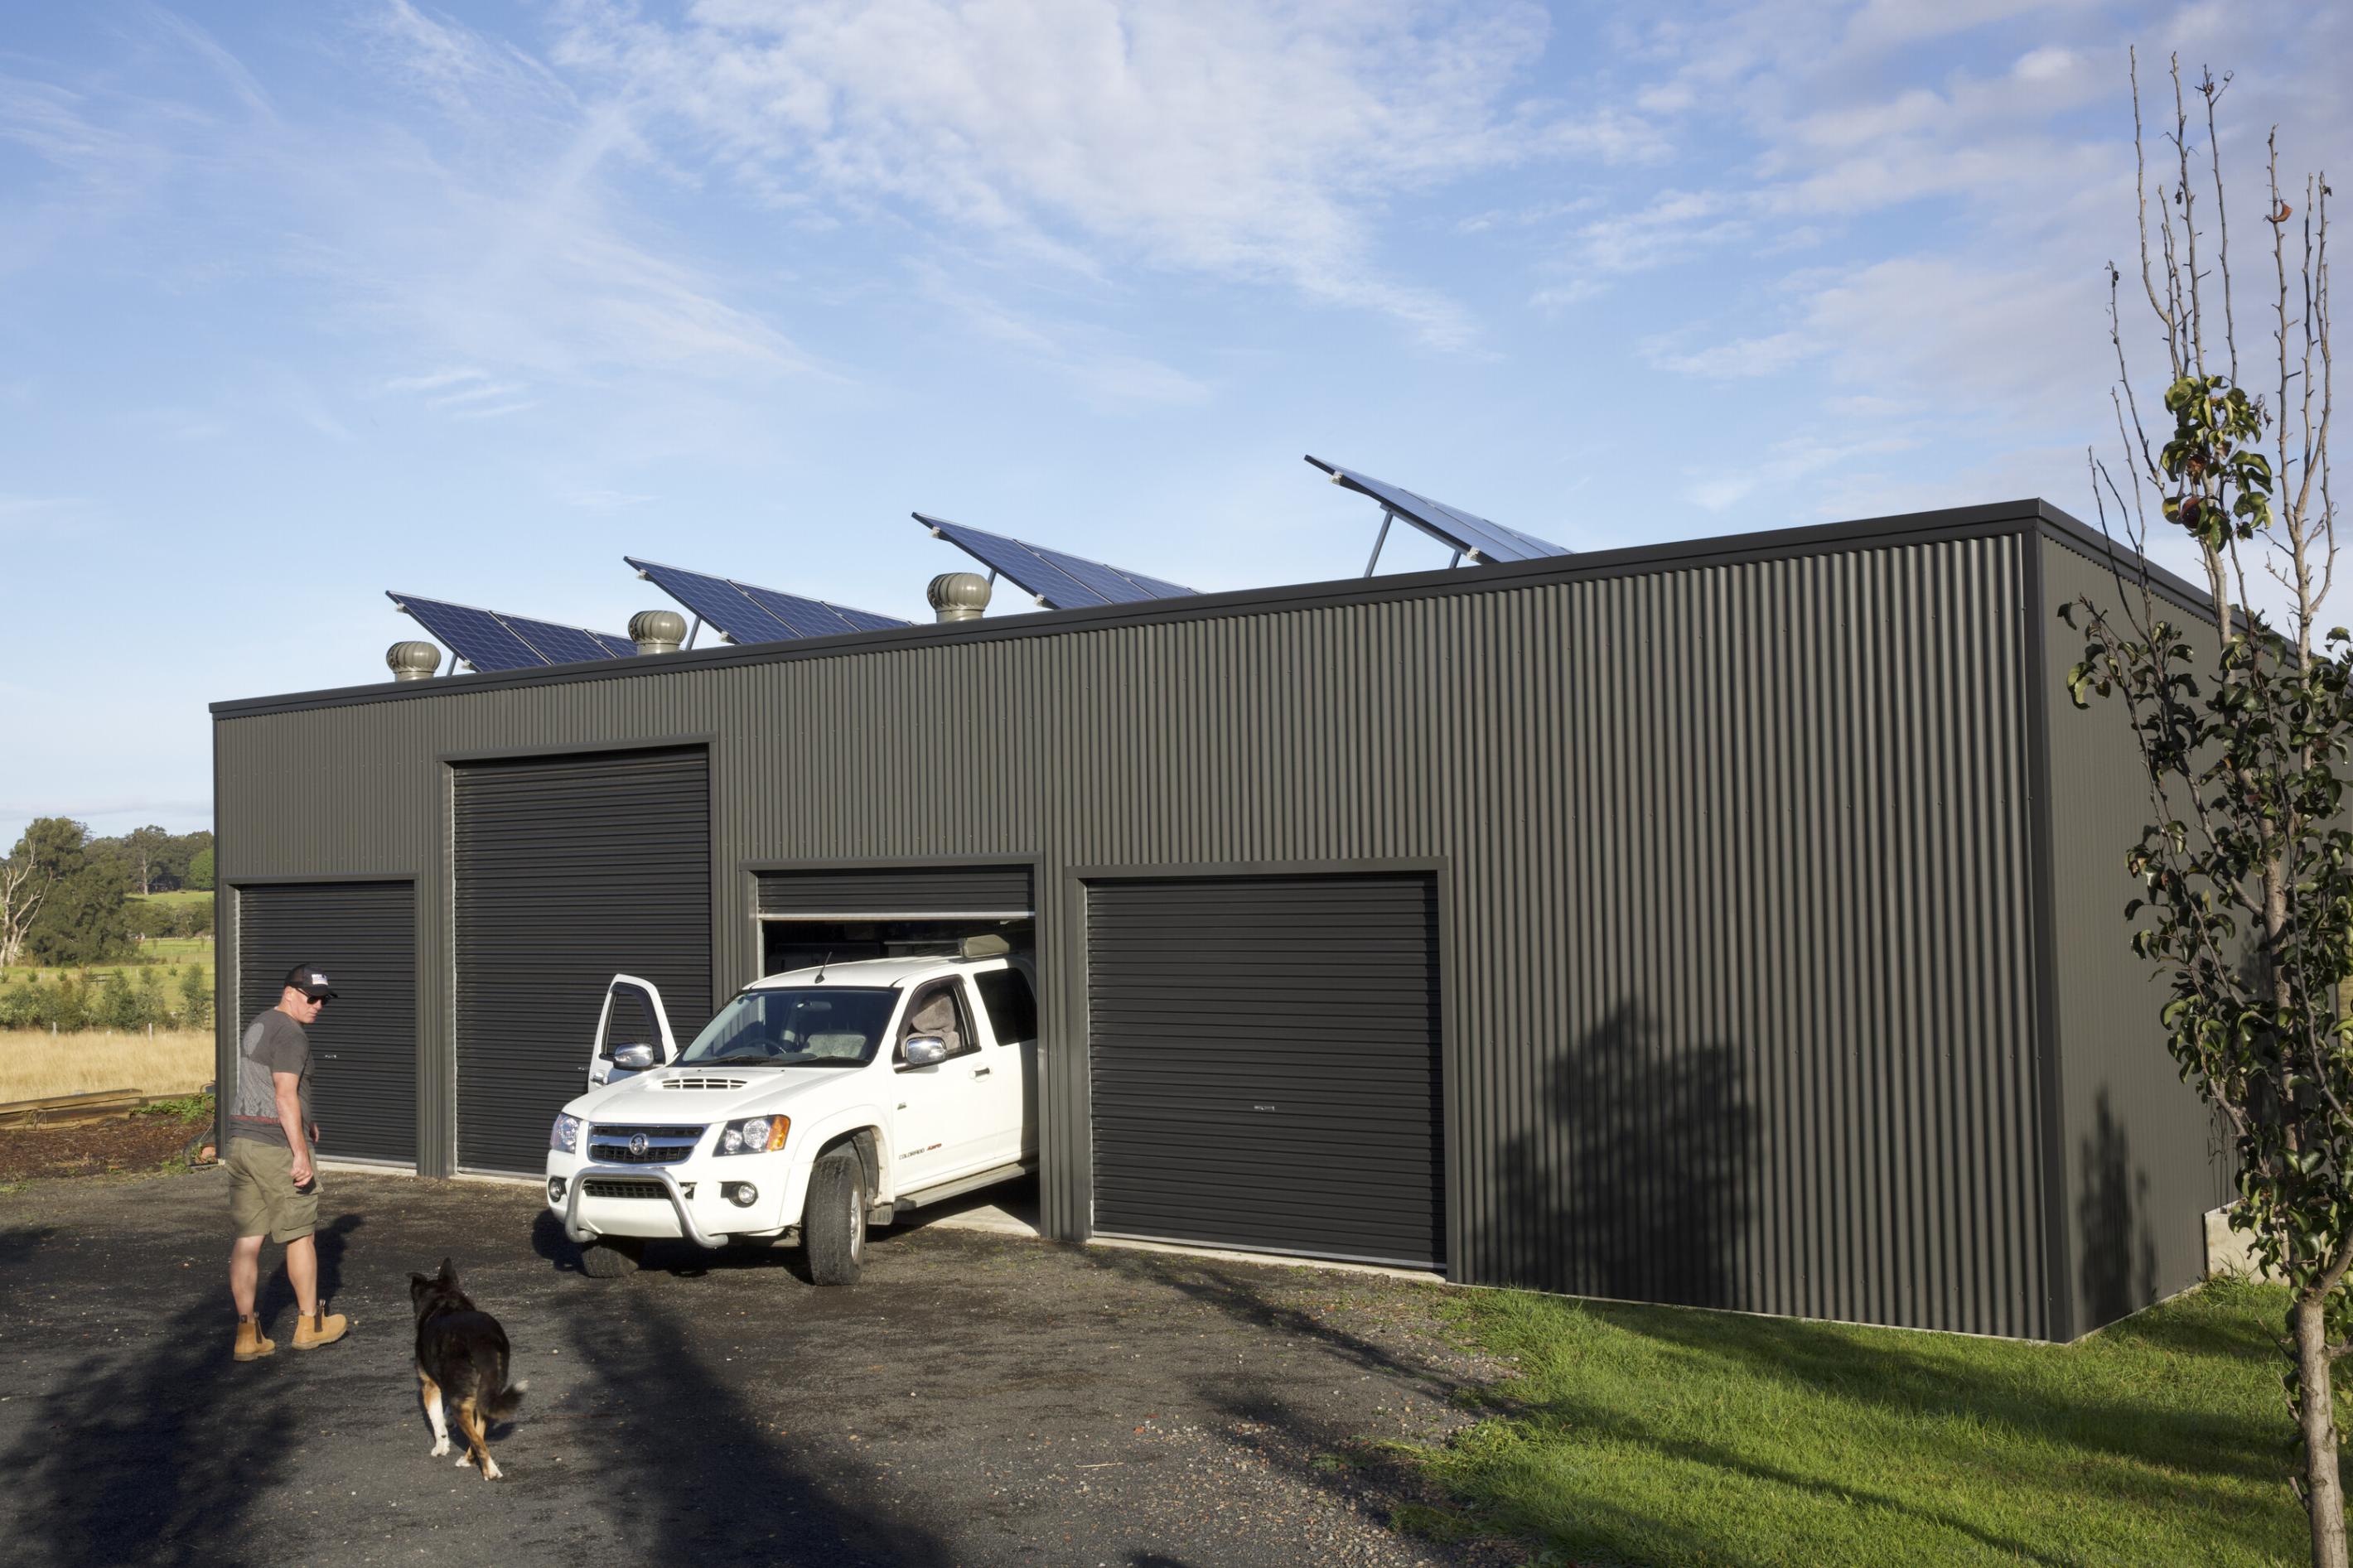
(261, 1195)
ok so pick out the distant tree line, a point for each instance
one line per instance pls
(65, 895)
(70, 1003)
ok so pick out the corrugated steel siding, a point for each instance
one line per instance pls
(897, 890)
(2140, 1157)
(569, 869)
(1739, 995)
(1266, 1065)
(363, 1047)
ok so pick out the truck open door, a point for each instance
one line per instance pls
(632, 1032)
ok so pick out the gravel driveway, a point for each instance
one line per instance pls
(978, 1399)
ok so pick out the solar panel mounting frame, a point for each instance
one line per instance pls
(1034, 568)
(707, 597)
(454, 631)
(1465, 533)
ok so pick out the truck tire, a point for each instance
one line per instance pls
(833, 1225)
(609, 1259)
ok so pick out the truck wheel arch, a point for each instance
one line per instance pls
(870, 1155)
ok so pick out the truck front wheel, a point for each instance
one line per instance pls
(833, 1225)
(607, 1259)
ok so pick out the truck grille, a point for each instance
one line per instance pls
(664, 1145)
(611, 1187)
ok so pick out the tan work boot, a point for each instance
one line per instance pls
(325, 1329)
(252, 1344)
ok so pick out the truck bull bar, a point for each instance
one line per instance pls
(579, 1184)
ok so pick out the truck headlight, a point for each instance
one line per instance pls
(754, 1135)
(565, 1136)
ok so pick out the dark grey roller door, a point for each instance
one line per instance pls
(569, 869)
(896, 890)
(1265, 1060)
(363, 1047)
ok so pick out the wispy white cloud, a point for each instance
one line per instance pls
(464, 393)
(1240, 140)
(1955, 174)
(1111, 374)
(203, 46)
(480, 224)
(600, 499)
(30, 513)
(437, 380)
(1786, 462)
(1737, 360)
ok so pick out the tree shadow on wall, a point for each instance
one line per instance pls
(1636, 1176)
(2119, 1250)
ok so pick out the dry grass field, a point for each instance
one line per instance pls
(34, 1064)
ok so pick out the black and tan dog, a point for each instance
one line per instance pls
(461, 1359)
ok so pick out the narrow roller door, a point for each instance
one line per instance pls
(1265, 1062)
(569, 870)
(363, 1047)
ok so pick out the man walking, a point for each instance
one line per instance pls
(273, 1188)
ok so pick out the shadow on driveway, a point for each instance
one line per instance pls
(129, 1460)
(698, 1477)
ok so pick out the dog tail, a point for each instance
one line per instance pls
(505, 1402)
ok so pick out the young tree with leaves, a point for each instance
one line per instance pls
(195, 998)
(81, 919)
(2244, 724)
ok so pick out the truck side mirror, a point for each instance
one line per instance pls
(924, 1050)
(634, 1058)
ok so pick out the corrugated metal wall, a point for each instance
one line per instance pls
(896, 890)
(2139, 1157)
(1732, 869)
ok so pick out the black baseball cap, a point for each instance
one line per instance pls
(311, 979)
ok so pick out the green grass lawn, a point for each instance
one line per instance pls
(177, 896)
(1663, 1438)
(164, 952)
(176, 950)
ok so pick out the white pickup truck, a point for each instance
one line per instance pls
(815, 1103)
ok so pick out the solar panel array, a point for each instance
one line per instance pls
(489, 641)
(1057, 580)
(745, 613)
(1473, 535)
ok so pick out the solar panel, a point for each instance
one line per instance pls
(561, 644)
(1054, 578)
(743, 612)
(1463, 531)
(489, 641)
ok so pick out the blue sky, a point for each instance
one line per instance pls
(311, 300)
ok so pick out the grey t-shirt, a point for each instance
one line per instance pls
(273, 1043)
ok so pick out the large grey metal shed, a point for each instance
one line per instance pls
(1734, 923)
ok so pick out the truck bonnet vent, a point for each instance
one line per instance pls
(705, 1082)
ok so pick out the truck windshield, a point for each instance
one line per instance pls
(806, 1027)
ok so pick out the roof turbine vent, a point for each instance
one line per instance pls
(657, 631)
(958, 596)
(412, 661)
